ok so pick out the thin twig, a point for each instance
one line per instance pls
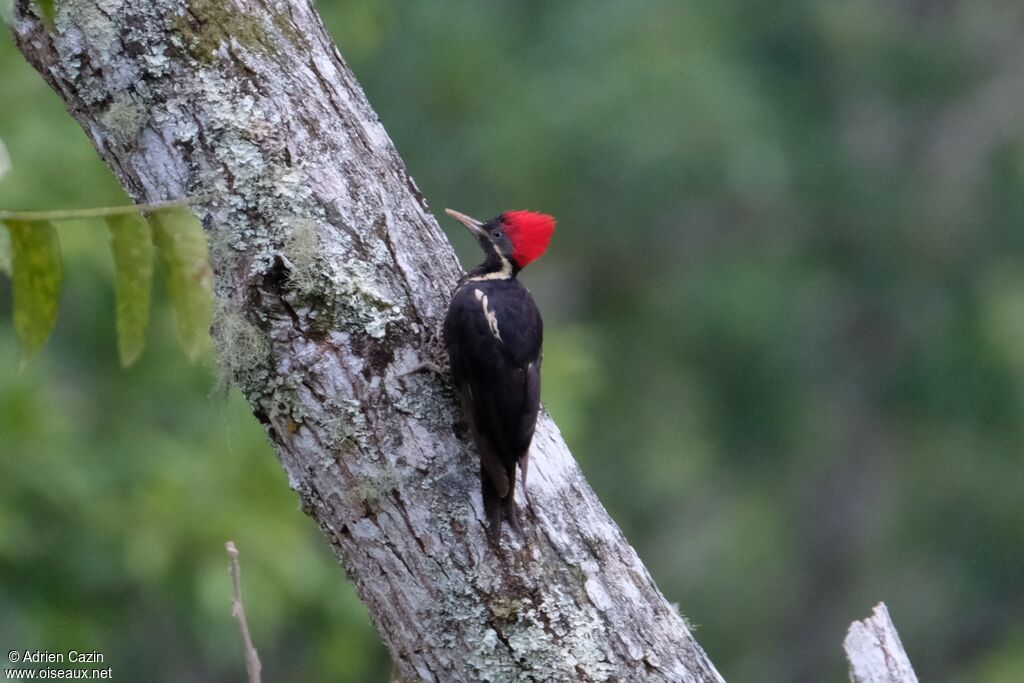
(252, 659)
(101, 211)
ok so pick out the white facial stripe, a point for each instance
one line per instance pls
(491, 316)
(503, 274)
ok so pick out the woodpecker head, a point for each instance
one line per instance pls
(518, 237)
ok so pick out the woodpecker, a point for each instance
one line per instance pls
(493, 333)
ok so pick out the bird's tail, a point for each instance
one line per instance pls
(497, 507)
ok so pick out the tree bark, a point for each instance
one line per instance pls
(331, 282)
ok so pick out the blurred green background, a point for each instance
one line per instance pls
(785, 315)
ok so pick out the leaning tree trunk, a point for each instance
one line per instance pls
(331, 281)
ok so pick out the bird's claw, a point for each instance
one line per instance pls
(420, 367)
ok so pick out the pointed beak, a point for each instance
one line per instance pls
(476, 227)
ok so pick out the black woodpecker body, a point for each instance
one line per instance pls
(493, 333)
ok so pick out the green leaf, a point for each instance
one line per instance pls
(37, 274)
(181, 242)
(132, 245)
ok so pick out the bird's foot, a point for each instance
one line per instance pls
(420, 367)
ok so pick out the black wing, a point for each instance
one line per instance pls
(497, 379)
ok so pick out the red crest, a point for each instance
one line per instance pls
(530, 232)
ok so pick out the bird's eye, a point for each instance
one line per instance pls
(496, 234)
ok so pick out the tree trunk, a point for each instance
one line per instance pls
(331, 281)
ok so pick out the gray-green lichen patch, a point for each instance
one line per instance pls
(574, 654)
(461, 615)
(301, 248)
(506, 609)
(92, 20)
(242, 348)
(209, 24)
(157, 62)
(250, 173)
(486, 659)
(290, 30)
(510, 637)
(172, 118)
(361, 300)
(344, 296)
(236, 121)
(347, 427)
(125, 116)
(282, 398)
(370, 491)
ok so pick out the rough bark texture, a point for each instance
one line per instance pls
(875, 652)
(332, 279)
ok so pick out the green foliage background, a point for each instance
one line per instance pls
(785, 311)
